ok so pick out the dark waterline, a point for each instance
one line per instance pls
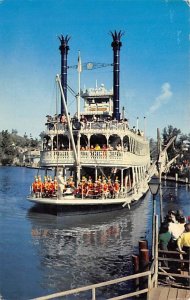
(43, 253)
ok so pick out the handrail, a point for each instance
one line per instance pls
(98, 285)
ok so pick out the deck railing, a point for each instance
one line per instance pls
(102, 157)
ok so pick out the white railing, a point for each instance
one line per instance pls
(94, 287)
(113, 158)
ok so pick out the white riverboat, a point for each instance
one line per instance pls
(107, 161)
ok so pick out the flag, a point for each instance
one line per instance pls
(79, 68)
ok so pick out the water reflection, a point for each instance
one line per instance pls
(83, 249)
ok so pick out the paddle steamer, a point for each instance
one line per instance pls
(96, 157)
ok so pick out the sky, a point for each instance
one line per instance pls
(155, 59)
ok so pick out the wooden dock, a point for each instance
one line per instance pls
(169, 293)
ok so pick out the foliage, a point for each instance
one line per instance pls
(177, 146)
(12, 145)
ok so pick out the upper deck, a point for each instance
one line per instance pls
(97, 101)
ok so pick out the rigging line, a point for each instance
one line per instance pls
(52, 96)
(71, 91)
(100, 169)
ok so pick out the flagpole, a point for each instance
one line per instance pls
(78, 98)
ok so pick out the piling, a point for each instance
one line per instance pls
(143, 262)
(143, 244)
(135, 263)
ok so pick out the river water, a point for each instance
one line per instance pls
(42, 252)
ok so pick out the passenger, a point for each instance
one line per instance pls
(34, 185)
(105, 189)
(118, 147)
(50, 187)
(96, 188)
(172, 214)
(176, 229)
(84, 186)
(90, 188)
(110, 147)
(71, 182)
(116, 188)
(97, 147)
(183, 241)
(55, 183)
(164, 239)
(110, 187)
(39, 186)
(45, 186)
(61, 185)
(63, 119)
(179, 214)
(104, 148)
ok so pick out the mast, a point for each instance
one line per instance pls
(78, 116)
(68, 119)
(64, 48)
(79, 69)
(116, 45)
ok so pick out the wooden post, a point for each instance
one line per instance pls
(156, 250)
(143, 266)
(135, 262)
(143, 244)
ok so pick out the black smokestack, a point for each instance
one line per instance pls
(64, 48)
(116, 45)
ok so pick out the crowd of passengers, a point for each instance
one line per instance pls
(182, 169)
(95, 147)
(87, 187)
(174, 234)
(84, 122)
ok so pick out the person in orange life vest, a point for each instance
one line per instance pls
(110, 186)
(34, 184)
(39, 185)
(100, 185)
(105, 188)
(71, 182)
(55, 183)
(84, 185)
(49, 186)
(96, 188)
(52, 186)
(45, 185)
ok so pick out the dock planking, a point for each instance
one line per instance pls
(168, 293)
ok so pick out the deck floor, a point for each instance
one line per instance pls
(168, 293)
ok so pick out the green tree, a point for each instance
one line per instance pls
(8, 149)
(167, 134)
